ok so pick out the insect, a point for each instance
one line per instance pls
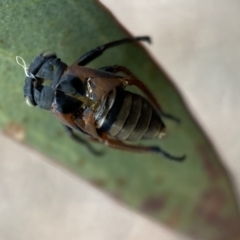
(95, 102)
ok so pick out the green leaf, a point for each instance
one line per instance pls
(194, 197)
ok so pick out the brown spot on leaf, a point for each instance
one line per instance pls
(25, 119)
(59, 134)
(98, 182)
(15, 131)
(153, 204)
(209, 163)
(212, 209)
(159, 179)
(121, 182)
(174, 218)
(211, 204)
(117, 196)
(80, 161)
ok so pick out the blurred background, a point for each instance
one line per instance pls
(197, 43)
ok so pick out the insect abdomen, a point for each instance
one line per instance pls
(130, 118)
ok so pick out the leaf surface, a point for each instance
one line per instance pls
(194, 197)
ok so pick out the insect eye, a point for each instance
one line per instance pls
(29, 102)
(49, 54)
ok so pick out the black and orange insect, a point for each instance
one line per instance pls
(95, 102)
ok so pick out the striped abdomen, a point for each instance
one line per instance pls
(128, 117)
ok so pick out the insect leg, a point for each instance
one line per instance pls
(94, 53)
(114, 143)
(132, 80)
(111, 69)
(81, 141)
